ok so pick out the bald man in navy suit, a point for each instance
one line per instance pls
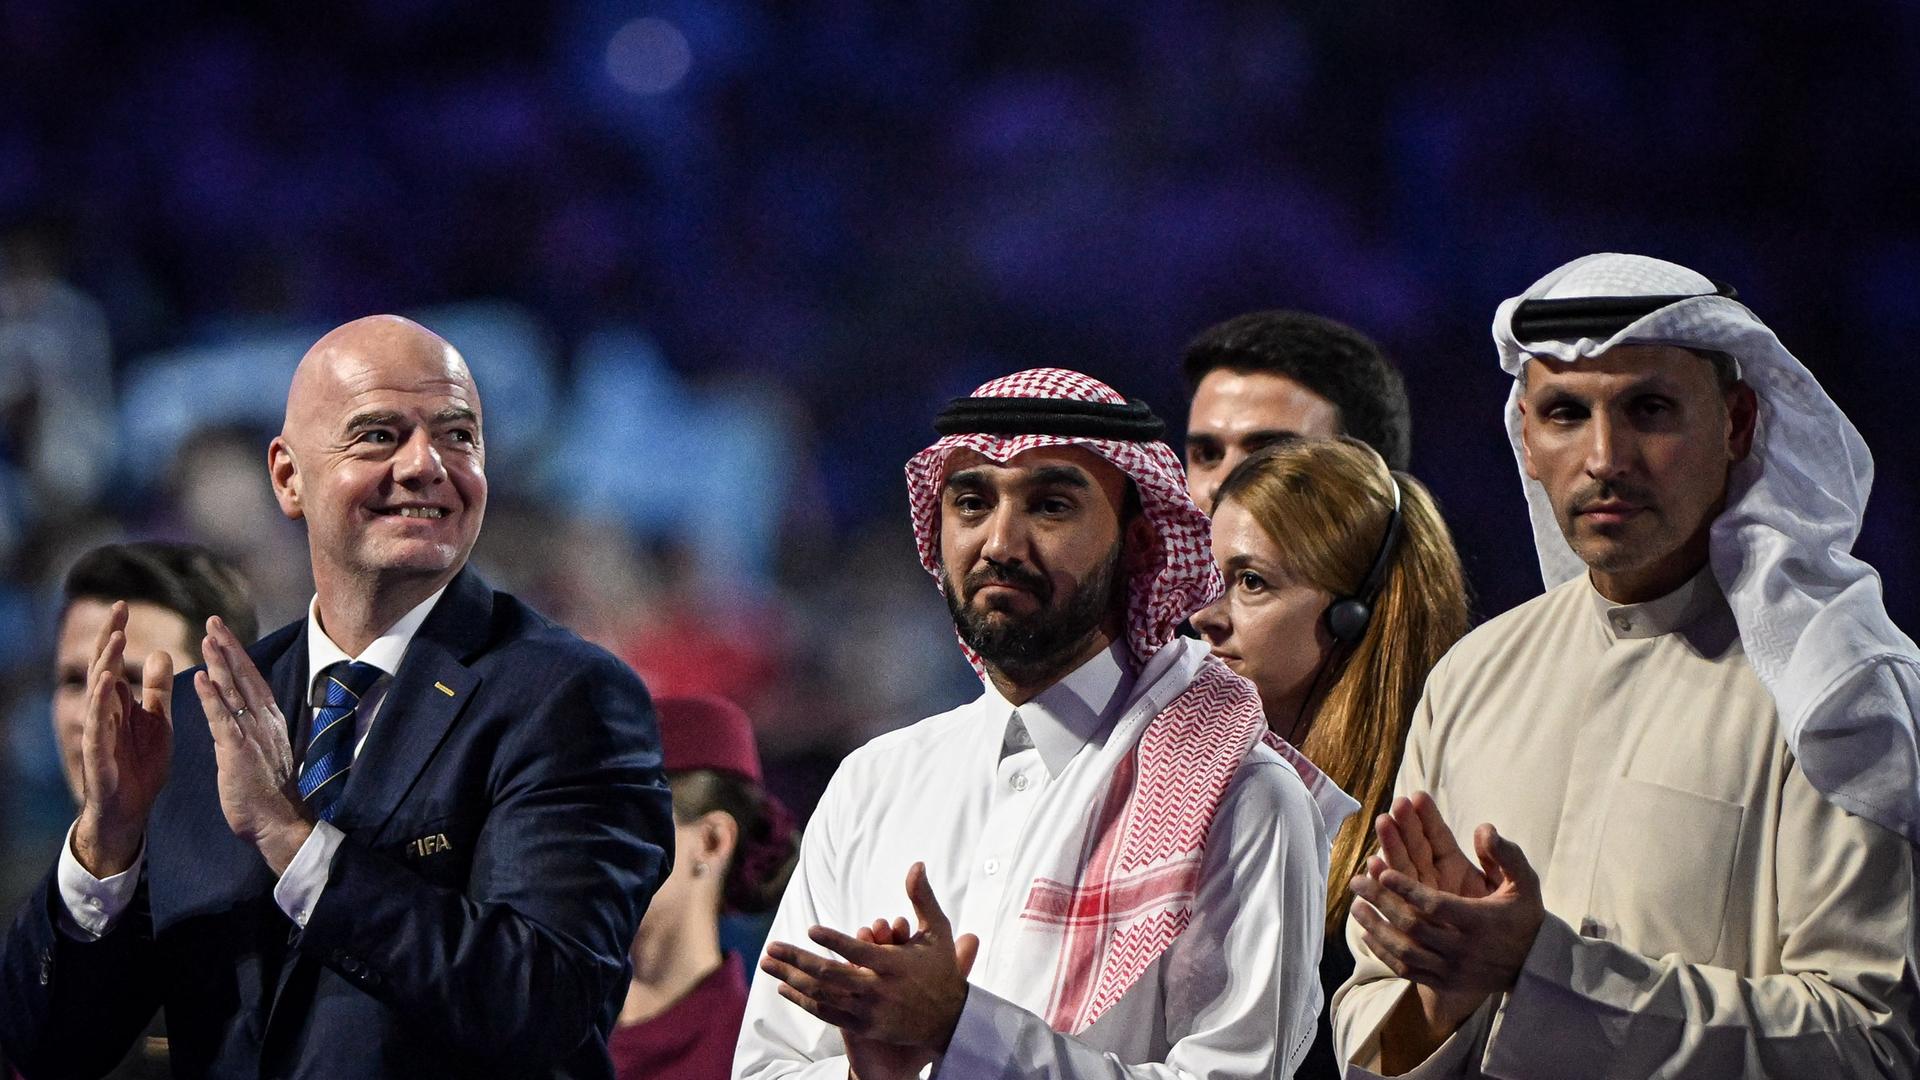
(410, 835)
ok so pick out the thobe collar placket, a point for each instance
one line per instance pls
(1662, 615)
(1072, 713)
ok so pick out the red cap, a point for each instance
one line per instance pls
(701, 731)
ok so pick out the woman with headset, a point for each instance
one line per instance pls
(1343, 590)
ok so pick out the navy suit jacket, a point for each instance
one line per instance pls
(506, 823)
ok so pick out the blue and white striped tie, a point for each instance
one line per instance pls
(323, 772)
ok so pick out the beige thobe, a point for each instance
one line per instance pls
(1709, 914)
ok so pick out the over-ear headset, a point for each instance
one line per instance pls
(1347, 616)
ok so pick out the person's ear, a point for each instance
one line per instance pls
(1526, 444)
(284, 472)
(716, 836)
(1137, 544)
(1743, 420)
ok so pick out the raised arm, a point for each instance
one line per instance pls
(76, 974)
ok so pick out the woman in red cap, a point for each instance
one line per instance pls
(734, 847)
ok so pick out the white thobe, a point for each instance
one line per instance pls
(986, 795)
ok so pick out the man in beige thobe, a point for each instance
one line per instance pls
(1691, 762)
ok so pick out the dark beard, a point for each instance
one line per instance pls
(1029, 649)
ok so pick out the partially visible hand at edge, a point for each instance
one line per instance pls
(126, 750)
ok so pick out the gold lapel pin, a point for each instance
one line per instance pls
(428, 845)
(444, 688)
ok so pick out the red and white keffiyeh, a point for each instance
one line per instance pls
(1141, 854)
(1115, 902)
(1179, 580)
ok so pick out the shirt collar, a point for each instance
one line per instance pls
(384, 653)
(1072, 712)
(1662, 615)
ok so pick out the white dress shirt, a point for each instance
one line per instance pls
(986, 795)
(95, 904)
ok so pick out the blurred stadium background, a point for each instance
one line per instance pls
(717, 264)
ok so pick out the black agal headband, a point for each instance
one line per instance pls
(1597, 317)
(1132, 422)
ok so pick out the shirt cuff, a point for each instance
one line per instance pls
(299, 887)
(92, 905)
(1451, 1059)
(986, 1039)
(1546, 997)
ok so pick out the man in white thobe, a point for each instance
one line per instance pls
(1692, 759)
(1127, 873)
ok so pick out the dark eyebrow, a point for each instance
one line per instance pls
(1049, 476)
(1060, 476)
(1269, 435)
(452, 414)
(967, 480)
(1652, 384)
(381, 418)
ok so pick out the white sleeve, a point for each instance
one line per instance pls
(778, 1039)
(1241, 983)
(306, 875)
(92, 905)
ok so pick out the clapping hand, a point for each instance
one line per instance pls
(1416, 842)
(871, 1059)
(259, 789)
(1459, 932)
(126, 748)
(897, 997)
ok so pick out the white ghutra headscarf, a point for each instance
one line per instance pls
(1845, 681)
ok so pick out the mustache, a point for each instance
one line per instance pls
(1017, 576)
(1608, 491)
